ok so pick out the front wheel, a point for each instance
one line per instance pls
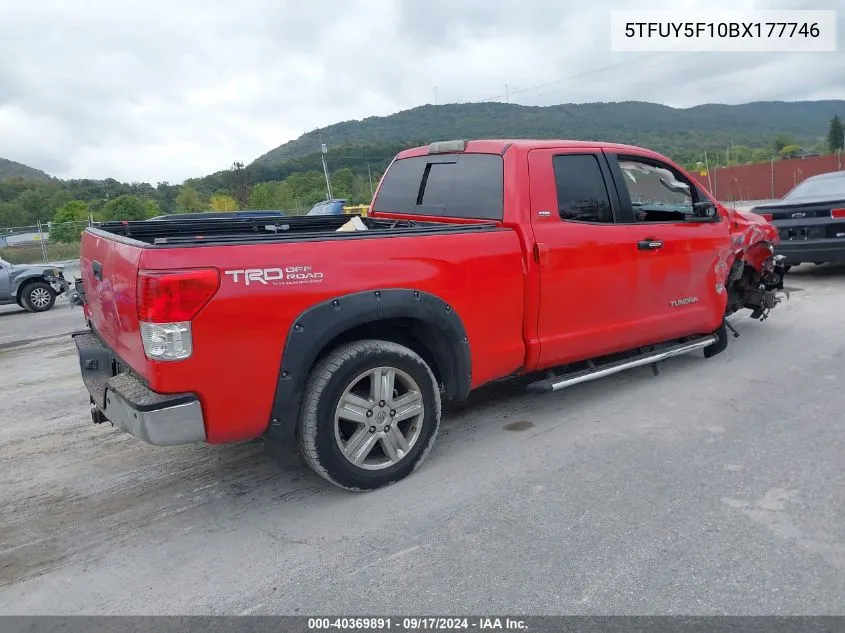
(370, 414)
(38, 297)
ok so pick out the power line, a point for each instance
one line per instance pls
(664, 62)
(671, 56)
(586, 73)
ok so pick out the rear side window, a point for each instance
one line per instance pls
(451, 185)
(581, 189)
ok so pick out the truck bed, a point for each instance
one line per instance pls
(219, 231)
(477, 270)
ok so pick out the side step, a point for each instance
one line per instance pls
(650, 358)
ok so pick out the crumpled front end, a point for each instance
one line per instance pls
(755, 278)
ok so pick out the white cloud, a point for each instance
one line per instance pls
(167, 90)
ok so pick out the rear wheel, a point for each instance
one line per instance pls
(38, 297)
(370, 414)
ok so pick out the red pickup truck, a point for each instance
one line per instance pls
(479, 261)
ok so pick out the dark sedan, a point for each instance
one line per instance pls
(811, 220)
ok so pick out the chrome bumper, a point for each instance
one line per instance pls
(122, 399)
(162, 425)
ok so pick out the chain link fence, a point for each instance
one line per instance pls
(49, 242)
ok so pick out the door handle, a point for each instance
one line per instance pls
(650, 245)
(97, 269)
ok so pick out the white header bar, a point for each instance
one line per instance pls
(748, 31)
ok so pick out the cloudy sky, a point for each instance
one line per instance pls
(163, 90)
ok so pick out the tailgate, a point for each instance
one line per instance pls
(109, 269)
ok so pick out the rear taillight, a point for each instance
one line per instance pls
(167, 301)
(167, 296)
(167, 341)
(837, 213)
(768, 216)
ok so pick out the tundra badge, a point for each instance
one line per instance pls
(683, 302)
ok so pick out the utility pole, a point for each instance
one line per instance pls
(435, 95)
(773, 174)
(323, 151)
(42, 242)
(370, 176)
(507, 94)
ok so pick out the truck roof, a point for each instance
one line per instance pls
(500, 146)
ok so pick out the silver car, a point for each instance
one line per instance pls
(33, 287)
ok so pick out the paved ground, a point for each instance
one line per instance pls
(717, 487)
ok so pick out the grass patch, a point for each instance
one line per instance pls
(32, 253)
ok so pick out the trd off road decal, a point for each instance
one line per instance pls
(288, 276)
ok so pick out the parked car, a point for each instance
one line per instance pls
(810, 220)
(33, 287)
(479, 261)
(328, 207)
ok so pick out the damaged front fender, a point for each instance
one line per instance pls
(755, 278)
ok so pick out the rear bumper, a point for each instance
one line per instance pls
(159, 419)
(809, 251)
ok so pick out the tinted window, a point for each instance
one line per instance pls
(453, 185)
(581, 190)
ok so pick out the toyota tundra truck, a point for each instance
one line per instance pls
(556, 261)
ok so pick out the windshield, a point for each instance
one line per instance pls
(832, 187)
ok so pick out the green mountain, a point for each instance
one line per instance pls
(683, 133)
(291, 176)
(10, 170)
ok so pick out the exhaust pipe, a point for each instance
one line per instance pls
(97, 416)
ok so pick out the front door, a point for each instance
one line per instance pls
(681, 262)
(586, 268)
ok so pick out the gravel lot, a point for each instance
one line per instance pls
(717, 487)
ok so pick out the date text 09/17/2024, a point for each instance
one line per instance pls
(417, 624)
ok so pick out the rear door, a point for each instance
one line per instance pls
(680, 263)
(586, 266)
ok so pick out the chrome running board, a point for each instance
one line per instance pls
(649, 358)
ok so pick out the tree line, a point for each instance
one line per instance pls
(292, 185)
(25, 203)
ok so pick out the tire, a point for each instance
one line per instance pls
(38, 297)
(325, 433)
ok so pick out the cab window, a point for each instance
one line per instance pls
(582, 194)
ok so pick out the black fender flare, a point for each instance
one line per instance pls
(313, 331)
